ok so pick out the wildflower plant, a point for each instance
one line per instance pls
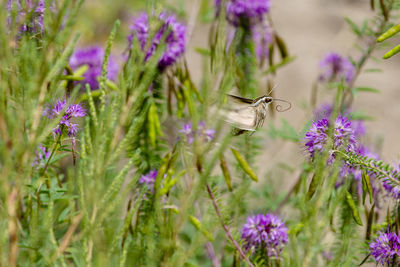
(129, 163)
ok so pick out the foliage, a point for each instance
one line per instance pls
(150, 174)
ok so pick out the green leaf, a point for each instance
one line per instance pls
(72, 78)
(353, 26)
(197, 224)
(373, 70)
(225, 172)
(110, 84)
(244, 165)
(389, 33)
(365, 89)
(296, 229)
(203, 51)
(287, 132)
(281, 46)
(279, 65)
(151, 126)
(361, 116)
(392, 52)
(369, 222)
(169, 183)
(313, 186)
(353, 207)
(367, 186)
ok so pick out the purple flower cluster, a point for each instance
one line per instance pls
(325, 112)
(262, 37)
(69, 112)
(30, 9)
(265, 231)
(149, 178)
(175, 40)
(344, 132)
(385, 248)
(246, 12)
(93, 57)
(317, 135)
(206, 134)
(336, 68)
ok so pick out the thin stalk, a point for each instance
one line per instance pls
(225, 227)
(52, 152)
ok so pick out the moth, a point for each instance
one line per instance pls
(248, 114)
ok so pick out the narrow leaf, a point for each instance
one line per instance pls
(366, 89)
(392, 52)
(353, 207)
(244, 165)
(389, 33)
(151, 127)
(72, 78)
(225, 172)
(313, 187)
(197, 224)
(271, 51)
(369, 223)
(282, 47)
(279, 65)
(367, 181)
(353, 26)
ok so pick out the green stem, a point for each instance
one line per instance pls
(373, 168)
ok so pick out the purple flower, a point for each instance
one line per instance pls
(149, 178)
(328, 256)
(33, 11)
(42, 155)
(93, 57)
(262, 37)
(246, 12)
(325, 111)
(265, 232)
(317, 135)
(343, 132)
(171, 32)
(205, 134)
(218, 5)
(336, 68)
(391, 189)
(72, 111)
(188, 132)
(140, 29)
(385, 248)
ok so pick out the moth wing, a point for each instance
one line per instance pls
(242, 118)
(238, 101)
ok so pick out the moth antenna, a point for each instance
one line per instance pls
(279, 108)
(272, 89)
